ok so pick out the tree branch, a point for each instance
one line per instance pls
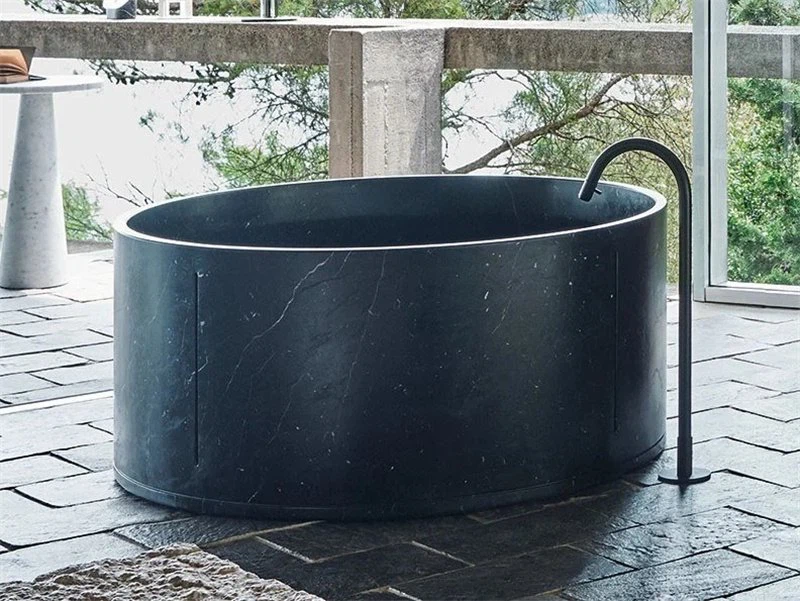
(549, 128)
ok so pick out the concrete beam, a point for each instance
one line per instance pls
(564, 45)
(385, 101)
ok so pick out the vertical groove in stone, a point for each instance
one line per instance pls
(196, 368)
(616, 342)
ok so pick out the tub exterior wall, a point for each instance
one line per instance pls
(387, 383)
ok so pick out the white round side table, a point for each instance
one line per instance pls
(34, 251)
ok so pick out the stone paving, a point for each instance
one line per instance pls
(57, 343)
(736, 537)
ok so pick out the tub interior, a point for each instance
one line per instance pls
(378, 212)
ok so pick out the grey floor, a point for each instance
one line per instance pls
(735, 537)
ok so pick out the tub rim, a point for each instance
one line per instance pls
(121, 227)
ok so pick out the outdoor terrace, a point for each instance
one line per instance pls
(734, 537)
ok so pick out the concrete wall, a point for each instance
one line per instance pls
(385, 74)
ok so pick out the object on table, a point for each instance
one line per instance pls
(15, 64)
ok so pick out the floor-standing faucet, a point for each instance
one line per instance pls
(685, 472)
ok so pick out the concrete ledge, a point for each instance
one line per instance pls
(566, 45)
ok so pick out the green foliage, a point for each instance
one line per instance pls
(764, 164)
(268, 163)
(81, 215)
(763, 206)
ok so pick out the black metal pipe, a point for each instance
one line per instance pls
(685, 472)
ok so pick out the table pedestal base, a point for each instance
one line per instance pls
(34, 253)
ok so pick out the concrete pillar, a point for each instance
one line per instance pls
(34, 252)
(385, 101)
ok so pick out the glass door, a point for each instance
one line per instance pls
(746, 88)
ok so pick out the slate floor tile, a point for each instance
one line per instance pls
(24, 522)
(665, 501)
(38, 468)
(60, 392)
(101, 309)
(764, 332)
(713, 345)
(342, 577)
(10, 318)
(14, 383)
(94, 457)
(17, 443)
(34, 362)
(734, 369)
(785, 357)
(550, 527)
(785, 407)
(514, 577)
(50, 342)
(30, 562)
(782, 548)
(95, 352)
(62, 415)
(345, 576)
(106, 425)
(104, 330)
(783, 590)
(645, 546)
(199, 530)
(719, 394)
(80, 373)
(10, 293)
(84, 488)
(733, 455)
(326, 539)
(255, 555)
(29, 302)
(784, 506)
(697, 578)
(743, 426)
(51, 326)
(511, 511)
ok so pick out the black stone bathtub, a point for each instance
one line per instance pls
(388, 347)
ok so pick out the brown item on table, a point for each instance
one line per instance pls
(15, 64)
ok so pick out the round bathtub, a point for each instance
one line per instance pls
(388, 347)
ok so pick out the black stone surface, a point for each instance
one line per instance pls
(649, 545)
(388, 347)
(325, 539)
(199, 530)
(782, 507)
(514, 577)
(784, 590)
(741, 425)
(25, 522)
(95, 457)
(35, 469)
(84, 488)
(665, 501)
(22, 444)
(549, 527)
(705, 576)
(781, 548)
(733, 455)
(342, 577)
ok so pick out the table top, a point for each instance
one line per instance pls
(52, 84)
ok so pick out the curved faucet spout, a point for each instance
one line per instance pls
(589, 186)
(685, 472)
